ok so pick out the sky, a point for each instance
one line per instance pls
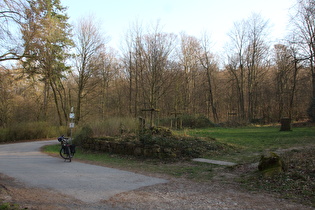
(194, 17)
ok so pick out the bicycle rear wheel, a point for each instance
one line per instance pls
(65, 153)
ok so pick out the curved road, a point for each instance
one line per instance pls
(88, 183)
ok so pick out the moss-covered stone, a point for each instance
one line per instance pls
(271, 165)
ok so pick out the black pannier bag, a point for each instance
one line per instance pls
(65, 149)
(72, 148)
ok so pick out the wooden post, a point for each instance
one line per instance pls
(141, 123)
(152, 110)
(285, 124)
(178, 121)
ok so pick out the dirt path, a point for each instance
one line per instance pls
(175, 194)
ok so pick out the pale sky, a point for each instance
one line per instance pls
(191, 16)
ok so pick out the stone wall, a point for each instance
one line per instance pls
(135, 148)
(156, 143)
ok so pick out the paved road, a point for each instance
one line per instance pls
(85, 182)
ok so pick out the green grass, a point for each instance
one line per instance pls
(261, 137)
(9, 206)
(251, 142)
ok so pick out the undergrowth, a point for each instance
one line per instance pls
(30, 131)
(296, 183)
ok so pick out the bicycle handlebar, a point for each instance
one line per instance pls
(62, 138)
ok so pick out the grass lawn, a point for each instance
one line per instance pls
(251, 142)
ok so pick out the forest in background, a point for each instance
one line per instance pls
(48, 66)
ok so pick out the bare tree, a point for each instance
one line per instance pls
(89, 42)
(189, 60)
(304, 28)
(248, 62)
(158, 48)
(12, 17)
(134, 64)
(107, 68)
(236, 63)
(287, 67)
(256, 60)
(208, 63)
(148, 66)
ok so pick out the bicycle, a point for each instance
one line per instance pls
(67, 150)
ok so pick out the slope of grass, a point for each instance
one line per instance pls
(253, 141)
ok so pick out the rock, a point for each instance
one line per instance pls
(271, 165)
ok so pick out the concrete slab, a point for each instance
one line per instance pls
(217, 162)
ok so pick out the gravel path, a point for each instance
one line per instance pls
(88, 183)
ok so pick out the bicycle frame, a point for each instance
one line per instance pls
(65, 152)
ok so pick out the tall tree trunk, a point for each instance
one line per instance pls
(312, 108)
(130, 83)
(45, 100)
(56, 102)
(211, 98)
(78, 108)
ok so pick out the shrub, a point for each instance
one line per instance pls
(84, 134)
(200, 121)
(30, 130)
(114, 126)
(4, 134)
